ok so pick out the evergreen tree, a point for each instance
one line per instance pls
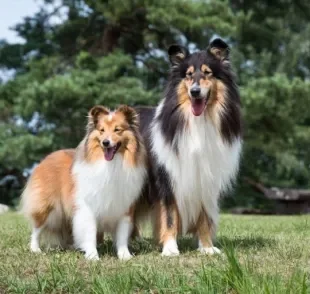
(114, 52)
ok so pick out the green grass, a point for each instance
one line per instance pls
(262, 254)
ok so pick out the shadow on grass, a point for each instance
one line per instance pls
(106, 248)
(188, 244)
(137, 247)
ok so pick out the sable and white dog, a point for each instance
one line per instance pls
(193, 141)
(84, 192)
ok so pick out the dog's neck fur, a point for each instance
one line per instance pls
(109, 187)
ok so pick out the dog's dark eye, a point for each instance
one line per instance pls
(117, 129)
(207, 72)
(102, 130)
(189, 74)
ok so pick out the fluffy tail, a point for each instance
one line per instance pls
(24, 206)
(56, 231)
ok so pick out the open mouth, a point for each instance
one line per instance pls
(198, 105)
(109, 152)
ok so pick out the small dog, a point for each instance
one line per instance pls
(76, 195)
(193, 140)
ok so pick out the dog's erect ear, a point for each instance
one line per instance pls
(95, 112)
(219, 49)
(130, 114)
(177, 54)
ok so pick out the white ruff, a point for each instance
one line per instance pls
(107, 188)
(204, 167)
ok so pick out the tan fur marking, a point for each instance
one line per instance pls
(204, 230)
(218, 53)
(131, 150)
(40, 217)
(183, 97)
(206, 83)
(93, 150)
(190, 70)
(205, 68)
(131, 211)
(216, 103)
(165, 232)
(180, 55)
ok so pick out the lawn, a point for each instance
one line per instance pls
(262, 254)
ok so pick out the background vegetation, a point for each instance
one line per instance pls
(113, 52)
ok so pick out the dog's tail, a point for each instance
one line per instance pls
(24, 206)
(56, 231)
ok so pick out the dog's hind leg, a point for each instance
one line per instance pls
(39, 219)
(204, 231)
(35, 239)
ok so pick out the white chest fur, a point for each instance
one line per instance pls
(109, 188)
(202, 169)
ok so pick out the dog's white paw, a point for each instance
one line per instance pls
(92, 255)
(209, 250)
(170, 249)
(124, 254)
(35, 249)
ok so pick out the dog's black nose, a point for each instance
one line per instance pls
(106, 143)
(195, 91)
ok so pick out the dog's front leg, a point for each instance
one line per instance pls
(123, 232)
(85, 230)
(205, 230)
(167, 223)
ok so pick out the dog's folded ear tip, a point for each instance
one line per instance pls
(219, 43)
(95, 110)
(219, 49)
(177, 53)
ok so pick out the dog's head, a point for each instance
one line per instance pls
(199, 73)
(112, 130)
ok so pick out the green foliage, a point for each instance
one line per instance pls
(276, 122)
(113, 52)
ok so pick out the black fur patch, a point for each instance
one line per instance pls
(158, 178)
(163, 185)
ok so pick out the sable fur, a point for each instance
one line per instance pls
(70, 181)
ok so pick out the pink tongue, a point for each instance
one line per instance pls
(109, 154)
(198, 106)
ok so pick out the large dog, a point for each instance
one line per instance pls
(194, 141)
